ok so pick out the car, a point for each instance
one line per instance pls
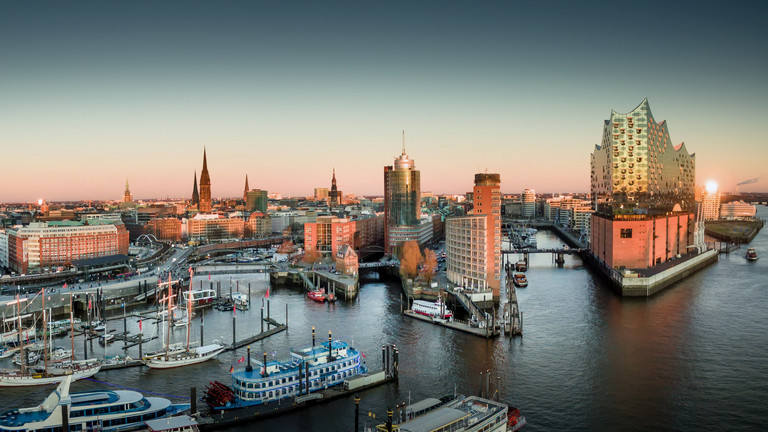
(337, 273)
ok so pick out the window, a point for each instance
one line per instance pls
(626, 233)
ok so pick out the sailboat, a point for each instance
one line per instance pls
(185, 357)
(49, 374)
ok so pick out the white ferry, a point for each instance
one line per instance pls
(94, 410)
(436, 309)
(309, 369)
(199, 297)
(456, 413)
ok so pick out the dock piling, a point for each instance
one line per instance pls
(193, 400)
(262, 319)
(357, 410)
(234, 339)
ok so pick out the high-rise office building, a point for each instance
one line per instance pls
(710, 204)
(528, 200)
(643, 187)
(256, 200)
(473, 242)
(402, 202)
(206, 205)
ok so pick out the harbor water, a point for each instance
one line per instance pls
(692, 357)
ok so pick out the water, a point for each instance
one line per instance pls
(692, 357)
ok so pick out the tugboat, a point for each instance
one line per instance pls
(751, 254)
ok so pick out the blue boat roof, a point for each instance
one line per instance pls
(293, 364)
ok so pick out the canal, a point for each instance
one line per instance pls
(692, 357)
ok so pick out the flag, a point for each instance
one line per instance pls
(267, 294)
(65, 285)
(362, 354)
(231, 369)
(89, 302)
(139, 325)
(242, 359)
(209, 277)
(234, 309)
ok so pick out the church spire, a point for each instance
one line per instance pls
(245, 192)
(205, 187)
(195, 194)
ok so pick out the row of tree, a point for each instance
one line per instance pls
(414, 263)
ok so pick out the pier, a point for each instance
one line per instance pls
(311, 280)
(513, 318)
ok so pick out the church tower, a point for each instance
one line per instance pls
(205, 187)
(195, 194)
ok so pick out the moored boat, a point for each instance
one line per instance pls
(751, 254)
(308, 370)
(184, 358)
(457, 413)
(200, 297)
(435, 309)
(101, 410)
(53, 375)
(521, 266)
(317, 295)
(520, 280)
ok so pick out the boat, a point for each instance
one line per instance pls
(308, 370)
(436, 309)
(240, 300)
(200, 297)
(520, 280)
(521, 266)
(106, 339)
(456, 413)
(317, 295)
(182, 423)
(751, 254)
(101, 410)
(32, 358)
(186, 357)
(57, 372)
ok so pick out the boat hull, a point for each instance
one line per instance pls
(180, 360)
(23, 380)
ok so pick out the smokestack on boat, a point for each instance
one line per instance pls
(248, 367)
(266, 374)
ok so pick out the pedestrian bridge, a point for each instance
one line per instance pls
(379, 264)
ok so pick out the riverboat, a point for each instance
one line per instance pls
(308, 370)
(520, 280)
(100, 410)
(200, 297)
(457, 413)
(751, 254)
(521, 266)
(435, 309)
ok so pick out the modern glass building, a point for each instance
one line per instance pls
(402, 196)
(637, 170)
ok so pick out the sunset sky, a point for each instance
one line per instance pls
(94, 92)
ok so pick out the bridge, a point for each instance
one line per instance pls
(376, 264)
(550, 250)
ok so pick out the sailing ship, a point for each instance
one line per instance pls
(190, 355)
(50, 373)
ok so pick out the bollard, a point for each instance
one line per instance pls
(193, 400)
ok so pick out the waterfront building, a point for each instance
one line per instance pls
(334, 195)
(473, 242)
(256, 200)
(402, 202)
(528, 200)
(195, 194)
(213, 228)
(168, 228)
(644, 189)
(205, 205)
(259, 225)
(3, 249)
(710, 204)
(737, 210)
(48, 244)
(329, 233)
(346, 260)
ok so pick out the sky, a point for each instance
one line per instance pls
(92, 93)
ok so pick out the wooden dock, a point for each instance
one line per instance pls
(255, 338)
(512, 317)
(486, 331)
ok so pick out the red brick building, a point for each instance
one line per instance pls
(49, 244)
(165, 228)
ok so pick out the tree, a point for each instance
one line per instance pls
(311, 257)
(410, 258)
(430, 265)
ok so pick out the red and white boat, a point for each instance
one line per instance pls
(435, 309)
(318, 295)
(199, 297)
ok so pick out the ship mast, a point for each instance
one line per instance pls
(21, 343)
(72, 329)
(45, 328)
(189, 308)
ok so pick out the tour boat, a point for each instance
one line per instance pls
(308, 370)
(317, 295)
(520, 280)
(457, 413)
(751, 254)
(200, 297)
(101, 410)
(436, 309)
(521, 266)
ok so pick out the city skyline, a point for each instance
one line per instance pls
(100, 92)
